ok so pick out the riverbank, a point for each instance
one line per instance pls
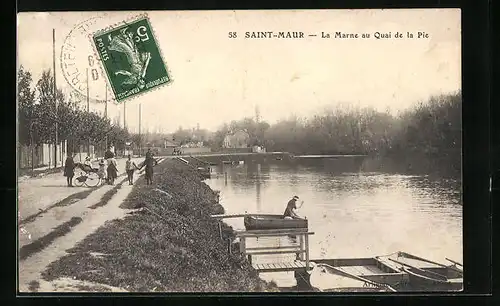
(169, 244)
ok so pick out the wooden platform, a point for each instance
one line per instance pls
(281, 266)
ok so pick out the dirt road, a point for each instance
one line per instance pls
(54, 218)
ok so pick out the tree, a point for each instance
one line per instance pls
(46, 109)
(76, 125)
(183, 136)
(26, 106)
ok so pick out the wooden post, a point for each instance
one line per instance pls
(242, 245)
(55, 94)
(220, 229)
(306, 237)
(301, 242)
(229, 246)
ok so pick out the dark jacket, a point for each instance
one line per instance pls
(292, 204)
(112, 170)
(69, 166)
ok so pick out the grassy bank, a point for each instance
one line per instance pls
(171, 244)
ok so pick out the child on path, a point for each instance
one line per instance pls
(130, 166)
(102, 170)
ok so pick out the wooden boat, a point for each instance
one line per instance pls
(399, 271)
(427, 275)
(262, 222)
(369, 272)
(340, 280)
(421, 280)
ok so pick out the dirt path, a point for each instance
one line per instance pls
(39, 193)
(90, 213)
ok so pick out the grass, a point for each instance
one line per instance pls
(42, 242)
(170, 245)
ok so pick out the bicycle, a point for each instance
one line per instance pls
(88, 176)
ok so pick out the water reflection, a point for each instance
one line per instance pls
(354, 208)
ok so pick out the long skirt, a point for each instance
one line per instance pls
(112, 172)
(149, 172)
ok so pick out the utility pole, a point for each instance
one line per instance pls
(88, 100)
(55, 93)
(106, 114)
(124, 117)
(88, 107)
(140, 137)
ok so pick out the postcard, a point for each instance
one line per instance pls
(240, 151)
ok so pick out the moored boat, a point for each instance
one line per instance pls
(427, 275)
(263, 222)
(421, 280)
(399, 271)
(342, 280)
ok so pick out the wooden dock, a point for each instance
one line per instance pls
(300, 266)
(296, 265)
(302, 262)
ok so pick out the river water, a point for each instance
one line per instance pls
(355, 207)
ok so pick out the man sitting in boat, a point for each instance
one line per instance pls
(290, 207)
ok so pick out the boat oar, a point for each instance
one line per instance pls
(420, 270)
(341, 272)
(406, 255)
(455, 262)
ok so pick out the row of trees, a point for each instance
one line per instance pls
(430, 128)
(37, 116)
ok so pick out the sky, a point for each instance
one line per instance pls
(217, 79)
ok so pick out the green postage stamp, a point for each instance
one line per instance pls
(131, 58)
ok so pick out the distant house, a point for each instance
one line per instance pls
(238, 139)
(169, 144)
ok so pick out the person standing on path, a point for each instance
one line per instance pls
(69, 169)
(130, 166)
(149, 163)
(112, 170)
